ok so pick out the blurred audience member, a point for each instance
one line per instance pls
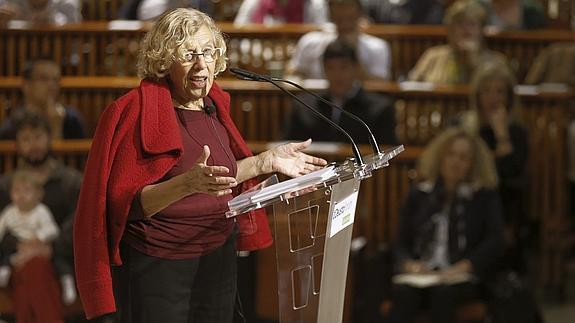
(494, 117)
(58, 12)
(429, 12)
(30, 221)
(41, 91)
(152, 9)
(373, 53)
(450, 228)
(554, 64)
(455, 62)
(61, 186)
(345, 90)
(129, 10)
(515, 14)
(271, 12)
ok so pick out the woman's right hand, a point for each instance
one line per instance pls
(203, 178)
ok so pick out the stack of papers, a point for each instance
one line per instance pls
(432, 279)
(279, 189)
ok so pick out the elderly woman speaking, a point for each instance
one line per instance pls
(165, 160)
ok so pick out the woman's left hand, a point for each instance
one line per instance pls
(289, 159)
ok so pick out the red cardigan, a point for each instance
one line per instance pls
(136, 142)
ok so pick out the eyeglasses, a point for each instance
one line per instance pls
(210, 55)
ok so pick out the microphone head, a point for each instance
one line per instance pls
(209, 109)
(246, 75)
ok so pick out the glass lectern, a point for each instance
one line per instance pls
(313, 217)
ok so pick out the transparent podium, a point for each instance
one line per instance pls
(313, 220)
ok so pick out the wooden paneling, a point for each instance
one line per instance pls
(100, 48)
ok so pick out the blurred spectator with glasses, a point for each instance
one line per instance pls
(455, 62)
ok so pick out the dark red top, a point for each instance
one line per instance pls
(196, 224)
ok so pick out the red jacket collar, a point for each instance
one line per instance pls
(159, 130)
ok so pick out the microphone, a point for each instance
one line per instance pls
(372, 141)
(209, 109)
(247, 75)
(250, 76)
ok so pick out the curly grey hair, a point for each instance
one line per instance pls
(165, 42)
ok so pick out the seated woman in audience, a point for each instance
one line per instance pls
(554, 64)
(281, 11)
(494, 117)
(450, 228)
(41, 91)
(58, 12)
(515, 14)
(455, 62)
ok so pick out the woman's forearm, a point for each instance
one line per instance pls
(156, 197)
(251, 167)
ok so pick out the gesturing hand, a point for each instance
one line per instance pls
(208, 179)
(289, 159)
(498, 120)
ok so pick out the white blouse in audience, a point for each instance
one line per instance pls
(373, 54)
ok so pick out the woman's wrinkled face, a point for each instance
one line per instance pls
(192, 79)
(457, 161)
(492, 95)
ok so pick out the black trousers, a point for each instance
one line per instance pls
(155, 290)
(442, 302)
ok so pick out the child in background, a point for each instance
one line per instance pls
(28, 219)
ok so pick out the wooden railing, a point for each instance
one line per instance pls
(100, 48)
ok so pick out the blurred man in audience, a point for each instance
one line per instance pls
(514, 14)
(455, 62)
(373, 53)
(58, 12)
(281, 11)
(61, 186)
(345, 90)
(41, 91)
(428, 12)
